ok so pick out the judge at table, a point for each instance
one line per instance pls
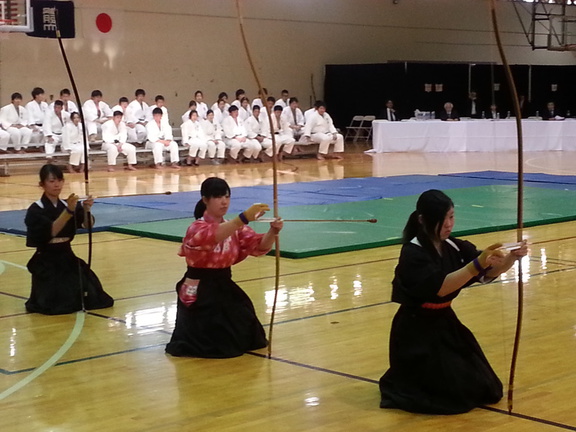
(493, 113)
(473, 106)
(551, 113)
(389, 113)
(449, 113)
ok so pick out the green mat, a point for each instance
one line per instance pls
(478, 210)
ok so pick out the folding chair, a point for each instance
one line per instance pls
(354, 128)
(365, 129)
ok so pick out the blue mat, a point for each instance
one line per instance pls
(136, 209)
(509, 176)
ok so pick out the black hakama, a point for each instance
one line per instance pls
(60, 280)
(221, 323)
(436, 364)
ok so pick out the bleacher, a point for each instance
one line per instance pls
(37, 154)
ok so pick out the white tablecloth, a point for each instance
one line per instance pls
(471, 135)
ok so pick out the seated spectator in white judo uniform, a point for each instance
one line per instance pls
(320, 129)
(201, 106)
(135, 116)
(73, 142)
(284, 97)
(213, 132)
(270, 103)
(191, 107)
(282, 133)
(309, 112)
(37, 109)
(14, 120)
(159, 102)
(222, 96)
(96, 112)
(69, 106)
(4, 140)
(259, 99)
(295, 118)
(121, 106)
(240, 93)
(53, 127)
(221, 112)
(244, 111)
(114, 142)
(194, 138)
(236, 139)
(259, 130)
(160, 139)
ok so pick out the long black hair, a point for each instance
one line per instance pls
(426, 222)
(212, 187)
(48, 170)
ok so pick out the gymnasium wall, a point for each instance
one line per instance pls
(173, 47)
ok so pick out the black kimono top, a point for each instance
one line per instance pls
(41, 215)
(420, 273)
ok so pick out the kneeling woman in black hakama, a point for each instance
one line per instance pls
(61, 282)
(215, 318)
(436, 364)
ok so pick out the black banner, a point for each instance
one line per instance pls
(44, 15)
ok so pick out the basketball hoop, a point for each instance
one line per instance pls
(6, 23)
(6, 27)
(15, 16)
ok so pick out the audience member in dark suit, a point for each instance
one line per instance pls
(389, 113)
(493, 113)
(525, 107)
(550, 112)
(473, 108)
(449, 113)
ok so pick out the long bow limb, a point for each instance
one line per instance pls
(520, 206)
(274, 175)
(85, 141)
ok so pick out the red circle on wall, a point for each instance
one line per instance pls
(104, 22)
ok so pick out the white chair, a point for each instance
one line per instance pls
(365, 130)
(353, 129)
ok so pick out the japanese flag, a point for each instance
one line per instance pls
(100, 24)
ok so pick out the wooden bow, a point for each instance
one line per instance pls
(520, 206)
(274, 175)
(85, 140)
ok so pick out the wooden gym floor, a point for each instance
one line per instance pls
(330, 341)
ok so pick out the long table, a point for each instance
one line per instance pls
(471, 135)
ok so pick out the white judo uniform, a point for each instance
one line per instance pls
(320, 129)
(193, 136)
(234, 131)
(14, 120)
(114, 137)
(73, 142)
(157, 132)
(53, 127)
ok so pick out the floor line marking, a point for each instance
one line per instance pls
(76, 330)
(372, 381)
(14, 265)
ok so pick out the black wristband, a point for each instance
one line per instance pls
(70, 212)
(243, 218)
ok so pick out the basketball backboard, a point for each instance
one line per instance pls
(15, 16)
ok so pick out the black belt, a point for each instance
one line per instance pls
(213, 273)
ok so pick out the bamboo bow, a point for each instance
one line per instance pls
(520, 207)
(274, 176)
(85, 141)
